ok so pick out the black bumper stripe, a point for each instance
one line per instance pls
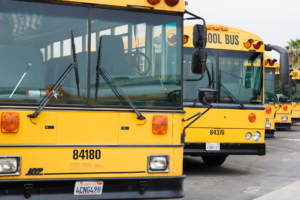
(89, 146)
(136, 172)
(198, 149)
(113, 188)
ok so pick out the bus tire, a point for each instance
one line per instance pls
(214, 160)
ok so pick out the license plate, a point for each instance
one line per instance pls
(212, 146)
(88, 188)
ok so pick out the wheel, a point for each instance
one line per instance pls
(214, 160)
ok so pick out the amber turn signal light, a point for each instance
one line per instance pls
(285, 107)
(247, 44)
(208, 27)
(268, 110)
(252, 117)
(160, 124)
(10, 122)
(185, 39)
(153, 2)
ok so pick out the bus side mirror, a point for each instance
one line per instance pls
(283, 99)
(206, 95)
(297, 99)
(199, 36)
(197, 62)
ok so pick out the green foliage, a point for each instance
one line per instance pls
(293, 49)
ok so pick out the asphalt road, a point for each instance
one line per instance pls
(246, 177)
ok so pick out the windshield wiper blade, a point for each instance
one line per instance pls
(234, 98)
(75, 61)
(280, 105)
(113, 85)
(59, 82)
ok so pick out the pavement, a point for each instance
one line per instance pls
(273, 176)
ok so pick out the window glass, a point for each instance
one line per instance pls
(35, 50)
(269, 86)
(241, 76)
(282, 89)
(142, 52)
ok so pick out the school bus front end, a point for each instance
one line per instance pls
(235, 125)
(283, 110)
(270, 96)
(86, 100)
(277, 94)
(295, 92)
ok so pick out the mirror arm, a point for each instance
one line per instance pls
(201, 38)
(198, 115)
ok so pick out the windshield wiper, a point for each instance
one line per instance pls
(113, 85)
(234, 98)
(280, 105)
(59, 83)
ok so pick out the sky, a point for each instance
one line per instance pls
(275, 21)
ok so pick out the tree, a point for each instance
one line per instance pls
(293, 49)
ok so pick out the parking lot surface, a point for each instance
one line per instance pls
(247, 177)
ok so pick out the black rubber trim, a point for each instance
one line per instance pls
(226, 106)
(283, 126)
(295, 120)
(198, 149)
(113, 188)
(90, 146)
(92, 109)
(66, 173)
(269, 133)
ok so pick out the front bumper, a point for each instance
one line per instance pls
(198, 149)
(283, 125)
(295, 120)
(114, 188)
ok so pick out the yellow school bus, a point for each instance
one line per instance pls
(278, 114)
(87, 105)
(295, 95)
(269, 97)
(235, 123)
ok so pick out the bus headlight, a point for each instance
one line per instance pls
(158, 163)
(248, 136)
(9, 165)
(268, 124)
(256, 136)
(284, 118)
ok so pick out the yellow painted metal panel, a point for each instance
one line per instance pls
(271, 117)
(87, 127)
(30, 133)
(59, 162)
(142, 134)
(233, 39)
(229, 136)
(227, 118)
(280, 112)
(162, 6)
(295, 110)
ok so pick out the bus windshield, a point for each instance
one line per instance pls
(282, 90)
(137, 49)
(239, 72)
(270, 86)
